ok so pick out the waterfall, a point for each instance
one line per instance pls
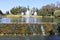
(43, 31)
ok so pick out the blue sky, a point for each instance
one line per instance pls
(8, 4)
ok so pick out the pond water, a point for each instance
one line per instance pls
(21, 19)
(31, 38)
(27, 20)
(5, 20)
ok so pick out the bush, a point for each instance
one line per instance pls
(57, 13)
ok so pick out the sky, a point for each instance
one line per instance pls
(6, 5)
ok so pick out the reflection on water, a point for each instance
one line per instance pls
(21, 19)
(31, 38)
(53, 37)
(5, 20)
(30, 20)
(23, 38)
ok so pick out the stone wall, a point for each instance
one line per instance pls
(12, 29)
(20, 29)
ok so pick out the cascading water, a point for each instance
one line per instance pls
(42, 29)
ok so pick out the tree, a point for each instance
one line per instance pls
(24, 9)
(14, 10)
(1, 13)
(42, 12)
(7, 12)
(49, 8)
(34, 10)
(18, 10)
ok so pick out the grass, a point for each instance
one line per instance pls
(18, 15)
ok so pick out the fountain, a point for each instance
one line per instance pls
(35, 13)
(22, 13)
(27, 16)
(35, 19)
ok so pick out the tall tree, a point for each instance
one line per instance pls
(23, 9)
(7, 12)
(1, 13)
(50, 9)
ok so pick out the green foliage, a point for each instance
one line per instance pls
(14, 10)
(17, 10)
(57, 20)
(47, 19)
(1, 13)
(57, 13)
(42, 12)
(7, 12)
(47, 10)
(23, 9)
